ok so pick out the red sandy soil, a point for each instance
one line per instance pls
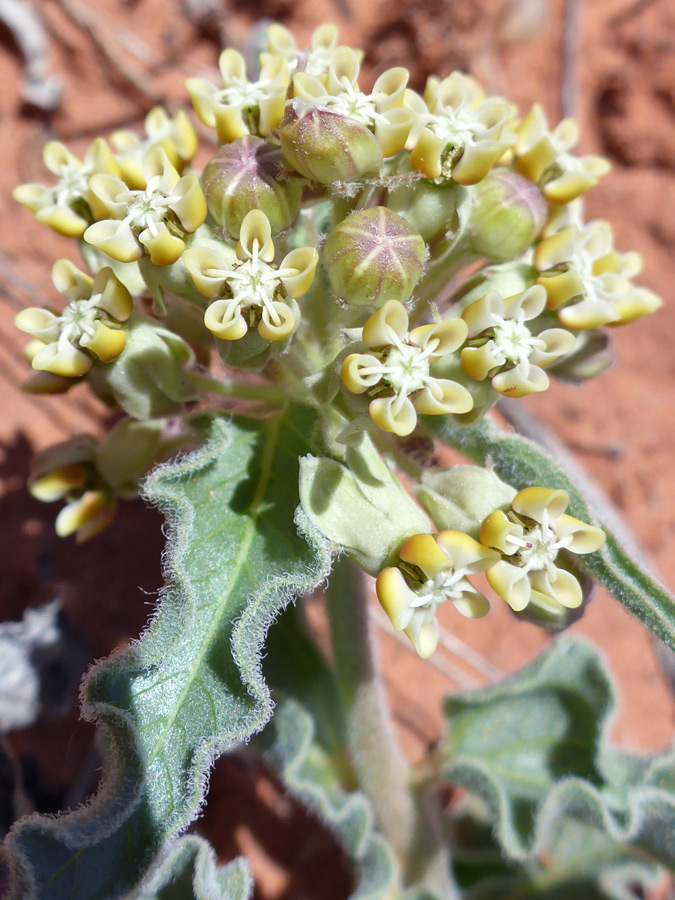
(620, 426)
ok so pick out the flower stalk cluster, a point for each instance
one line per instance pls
(312, 255)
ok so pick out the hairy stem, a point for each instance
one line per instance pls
(406, 817)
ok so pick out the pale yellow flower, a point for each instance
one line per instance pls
(433, 569)
(588, 283)
(248, 290)
(397, 370)
(154, 220)
(89, 328)
(459, 133)
(314, 61)
(530, 536)
(542, 155)
(69, 205)
(241, 106)
(174, 134)
(501, 347)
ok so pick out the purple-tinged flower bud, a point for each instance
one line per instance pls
(374, 256)
(507, 213)
(325, 146)
(244, 175)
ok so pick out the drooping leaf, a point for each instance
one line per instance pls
(534, 749)
(190, 872)
(521, 463)
(192, 686)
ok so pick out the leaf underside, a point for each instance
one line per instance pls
(191, 687)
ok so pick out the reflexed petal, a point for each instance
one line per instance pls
(232, 66)
(393, 83)
(532, 502)
(390, 317)
(449, 335)
(477, 362)
(476, 161)
(114, 298)
(191, 208)
(112, 192)
(34, 196)
(271, 112)
(639, 302)
(519, 381)
(395, 596)
(423, 551)
(556, 249)
(472, 604)
(87, 516)
(391, 132)
(394, 416)
(58, 158)
(63, 220)
(255, 227)
(588, 313)
(62, 359)
(442, 396)
(558, 343)
(495, 530)
(225, 321)
(561, 285)
(564, 587)
(56, 484)
(107, 343)
(276, 331)
(308, 87)
(100, 158)
(532, 302)
(208, 270)
(352, 372)
(229, 123)
(156, 164)
(304, 260)
(465, 552)
(480, 315)
(71, 281)
(510, 583)
(203, 95)
(423, 634)
(164, 248)
(114, 238)
(39, 323)
(425, 157)
(586, 538)
(344, 64)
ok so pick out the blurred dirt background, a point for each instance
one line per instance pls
(611, 64)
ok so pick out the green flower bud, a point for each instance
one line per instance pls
(430, 208)
(373, 256)
(325, 146)
(148, 379)
(460, 497)
(506, 214)
(243, 176)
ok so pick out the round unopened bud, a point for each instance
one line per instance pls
(245, 175)
(506, 214)
(374, 256)
(430, 208)
(325, 146)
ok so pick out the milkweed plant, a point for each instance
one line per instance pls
(287, 339)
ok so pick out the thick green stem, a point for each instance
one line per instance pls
(406, 817)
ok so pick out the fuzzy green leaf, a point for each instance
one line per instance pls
(534, 748)
(192, 686)
(190, 872)
(521, 463)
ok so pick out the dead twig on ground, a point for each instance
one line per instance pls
(40, 88)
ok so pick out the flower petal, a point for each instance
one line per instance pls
(533, 501)
(422, 550)
(395, 596)
(510, 583)
(465, 552)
